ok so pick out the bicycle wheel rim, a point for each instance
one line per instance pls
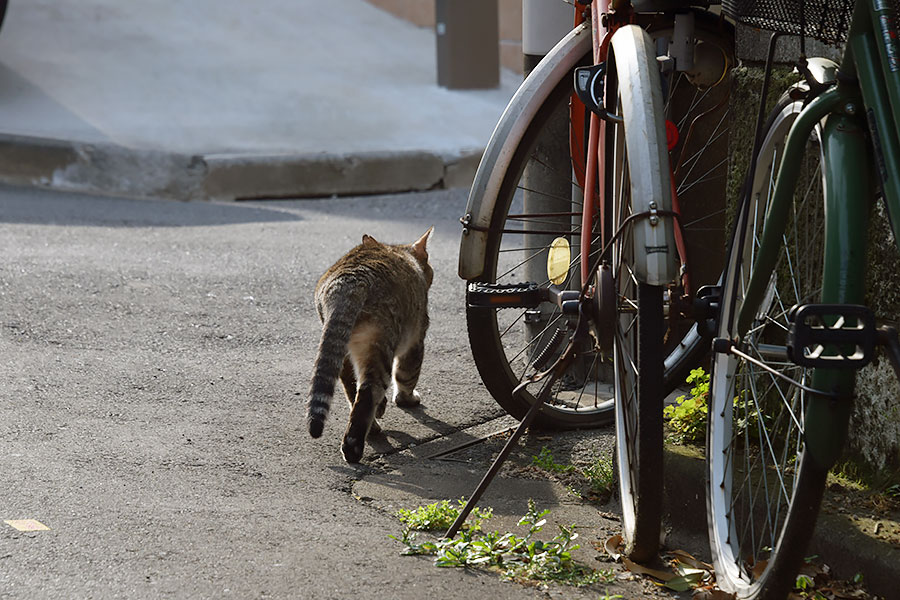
(763, 492)
(508, 344)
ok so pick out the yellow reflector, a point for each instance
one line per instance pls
(558, 260)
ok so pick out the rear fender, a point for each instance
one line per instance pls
(509, 131)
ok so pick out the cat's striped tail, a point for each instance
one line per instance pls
(336, 331)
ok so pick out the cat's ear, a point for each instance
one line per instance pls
(368, 240)
(419, 247)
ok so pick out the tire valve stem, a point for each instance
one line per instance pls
(540, 362)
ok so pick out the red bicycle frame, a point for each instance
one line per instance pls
(589, 172)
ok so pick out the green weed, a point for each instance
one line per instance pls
(441, 515)
(601, 476)
(597, 479)
(544, 460)
(522, 558)
(687, 417)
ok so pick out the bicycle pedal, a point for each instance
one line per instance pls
(705, 310)
(841, 336)
(496, 295)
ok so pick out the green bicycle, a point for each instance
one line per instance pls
(792, 328)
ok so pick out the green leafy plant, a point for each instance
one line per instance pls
(441, 515)
(687, 417)
(518, 558)
(601, 476)
(598, 476)
(805, 587)
(545, 461)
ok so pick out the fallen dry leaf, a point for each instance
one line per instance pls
(613, 547)
(685, 582)
(685, 558)
(758, 568)
(642, 570)
(711, 594)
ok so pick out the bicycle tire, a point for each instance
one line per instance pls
(759, 532)
(639, 429)
(639, 162)
(497, 359)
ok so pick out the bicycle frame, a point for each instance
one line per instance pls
(860, 115)
(647, 267)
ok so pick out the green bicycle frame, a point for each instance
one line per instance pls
(860, 116)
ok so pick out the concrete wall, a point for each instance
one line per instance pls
(421, 13)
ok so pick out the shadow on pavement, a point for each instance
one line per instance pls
(43, 207)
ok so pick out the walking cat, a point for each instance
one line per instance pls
(373, 304)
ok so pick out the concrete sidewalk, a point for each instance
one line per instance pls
(225, 99)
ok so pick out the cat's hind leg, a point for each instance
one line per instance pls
(348, 379)
(371, 387)
(406, 375)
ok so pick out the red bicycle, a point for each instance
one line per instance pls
(596, 214)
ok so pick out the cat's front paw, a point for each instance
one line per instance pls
(407, 400)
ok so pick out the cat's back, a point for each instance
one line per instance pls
(388, 273)
(367, 263)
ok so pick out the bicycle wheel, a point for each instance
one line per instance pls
(763, 491)
(639, 168)
(539, 199)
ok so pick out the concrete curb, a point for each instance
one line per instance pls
(111, 169)
(99, 168)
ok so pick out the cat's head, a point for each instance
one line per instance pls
(418, 250)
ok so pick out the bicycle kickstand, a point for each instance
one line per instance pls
(504, 453)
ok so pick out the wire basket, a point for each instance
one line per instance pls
(825, 20)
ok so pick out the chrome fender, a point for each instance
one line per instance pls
(655, 259)
(505, 139)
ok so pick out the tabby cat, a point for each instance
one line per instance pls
(373, 303)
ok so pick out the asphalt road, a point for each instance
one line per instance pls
(155, 363)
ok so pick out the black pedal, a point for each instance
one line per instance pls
(839, 336)
(589, 87)
(495, 295)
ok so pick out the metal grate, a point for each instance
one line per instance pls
(825, 20)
